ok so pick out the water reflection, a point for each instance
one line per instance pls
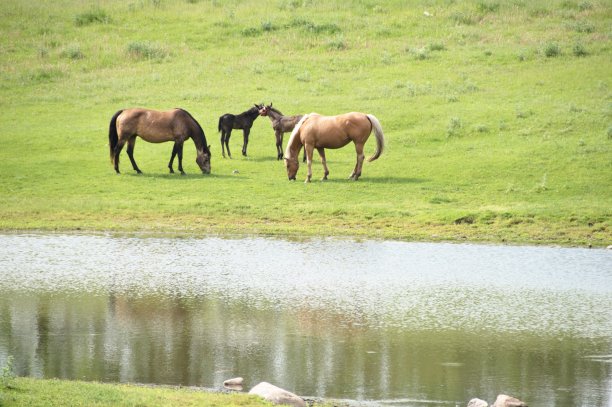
(406, 322)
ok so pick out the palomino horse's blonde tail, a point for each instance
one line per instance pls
(380, 137)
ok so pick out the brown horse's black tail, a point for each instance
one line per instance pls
(113, 137)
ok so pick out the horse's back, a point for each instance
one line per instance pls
(137, 114)
(153, 125)
(335, 131)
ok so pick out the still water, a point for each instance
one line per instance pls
(377, 322)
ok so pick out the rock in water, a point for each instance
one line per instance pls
(234, 384)
(277, 395)
(508, 401)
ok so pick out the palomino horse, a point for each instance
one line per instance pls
(243, 121)
(157, 127)
(281, 124)
(321, 132)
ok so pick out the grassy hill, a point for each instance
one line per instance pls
(497, 116)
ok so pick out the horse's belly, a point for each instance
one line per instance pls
(332, 143)
(156, 138)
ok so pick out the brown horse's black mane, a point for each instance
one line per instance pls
(252, 113)
(275, 110)
(203, 138)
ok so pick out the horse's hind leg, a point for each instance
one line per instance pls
(130, 152)
(321, 151)
(116, 153)
(172, 159)
(360, 157)
(228, 133)
(223, 142)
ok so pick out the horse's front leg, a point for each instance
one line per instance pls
(321, 151)
(222, 143)
(179, 152)
(130, 152)
(116, 153)
(308, 149)
(245, 133)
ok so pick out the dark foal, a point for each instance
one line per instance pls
(243, 121)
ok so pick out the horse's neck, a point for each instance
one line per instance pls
(293, 146)
(199, 139)
(251, 114)
(275, 116)
(200, 142)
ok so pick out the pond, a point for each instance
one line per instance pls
(376, 322)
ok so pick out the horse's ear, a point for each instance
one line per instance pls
(270, 104)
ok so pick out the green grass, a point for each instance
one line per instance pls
(48, 393)
(497, 113)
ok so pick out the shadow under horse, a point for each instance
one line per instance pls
(243, 121)
(157, 127)
(281, 124)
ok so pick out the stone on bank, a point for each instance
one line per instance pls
(276, 395)
(501, 401)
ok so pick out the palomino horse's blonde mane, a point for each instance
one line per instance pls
(294, 133)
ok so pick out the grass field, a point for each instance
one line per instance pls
(48, 393)
(497, 116)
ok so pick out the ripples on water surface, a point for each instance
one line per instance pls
(364, 320)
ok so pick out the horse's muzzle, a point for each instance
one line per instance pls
(292, 178)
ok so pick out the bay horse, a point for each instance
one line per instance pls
(243, 121)
(157, 127)
(321, 132)
(280, 124)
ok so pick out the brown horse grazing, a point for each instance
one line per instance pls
(321, 132)
(243, 121)
(157, 127)
(281, 124)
